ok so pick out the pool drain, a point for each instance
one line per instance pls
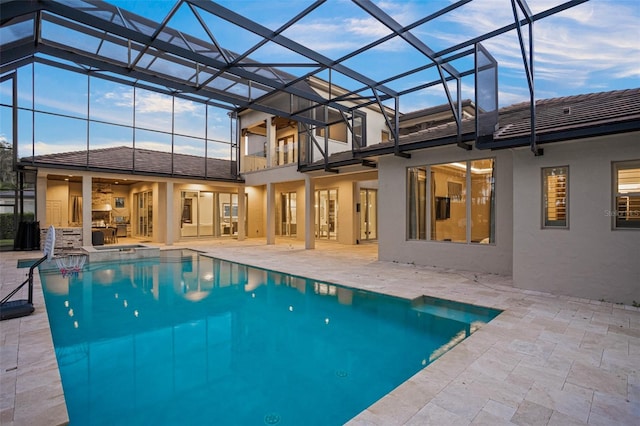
(341, 373)
(271, 419)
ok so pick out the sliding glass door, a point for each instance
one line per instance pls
(368, 214)
(327, 214)
(143, 202)
(287, 215)
(209, 214)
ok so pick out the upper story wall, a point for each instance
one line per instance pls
(588, 258)
(268, 141)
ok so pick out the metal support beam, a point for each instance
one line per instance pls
(458, 116)
(393, 127)
(237, 60)
(156, 33)
(528, 65)
(204, 26)
(293, 46)
(406, 35)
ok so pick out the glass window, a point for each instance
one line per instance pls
(417, 206)
(555, 185)
(285, 151)
(286, 215)
(482, 201)
(327, 214)
(449, 202)
(338, 130)
(359, 130)
(627, 194)
(461, 206)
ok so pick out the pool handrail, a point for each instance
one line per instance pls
(16, 308)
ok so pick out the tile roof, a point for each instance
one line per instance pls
(121, 159)
(552, 115)
(557, 119)
(570, 112)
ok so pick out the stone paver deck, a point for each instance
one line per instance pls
(546, 360)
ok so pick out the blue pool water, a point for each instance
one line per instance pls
(187, 339)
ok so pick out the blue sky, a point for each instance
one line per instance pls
(592, 47)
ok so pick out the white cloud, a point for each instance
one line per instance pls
(342, 34)
(148, 102)
(572, 49)
(48, 147)
(122, 99)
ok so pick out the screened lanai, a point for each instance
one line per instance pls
(90, 85)
(220, 56)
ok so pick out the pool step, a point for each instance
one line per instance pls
(456, 311)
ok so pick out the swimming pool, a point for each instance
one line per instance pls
(188, 339)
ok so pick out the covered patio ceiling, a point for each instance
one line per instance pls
(190, 61)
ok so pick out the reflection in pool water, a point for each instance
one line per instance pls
(188, 339)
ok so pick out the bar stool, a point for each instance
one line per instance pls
(110, 236)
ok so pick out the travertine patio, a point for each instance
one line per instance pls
(546, 360)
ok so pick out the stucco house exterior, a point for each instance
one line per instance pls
(565, 222)
(164, 135)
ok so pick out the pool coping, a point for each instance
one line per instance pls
(560, 359)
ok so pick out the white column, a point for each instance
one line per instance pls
(242, 214)
(41, 205)
(87, 207)
(309, 213)
(41, 201)
(170, 235)
(271, 143)
(271, 213)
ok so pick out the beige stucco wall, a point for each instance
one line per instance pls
(392, 215)
(590, 259)
(288, 179)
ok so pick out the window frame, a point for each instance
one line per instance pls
(337, 127)
(614, 213)
(429, 208)
(359, 115)
(554, 224)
